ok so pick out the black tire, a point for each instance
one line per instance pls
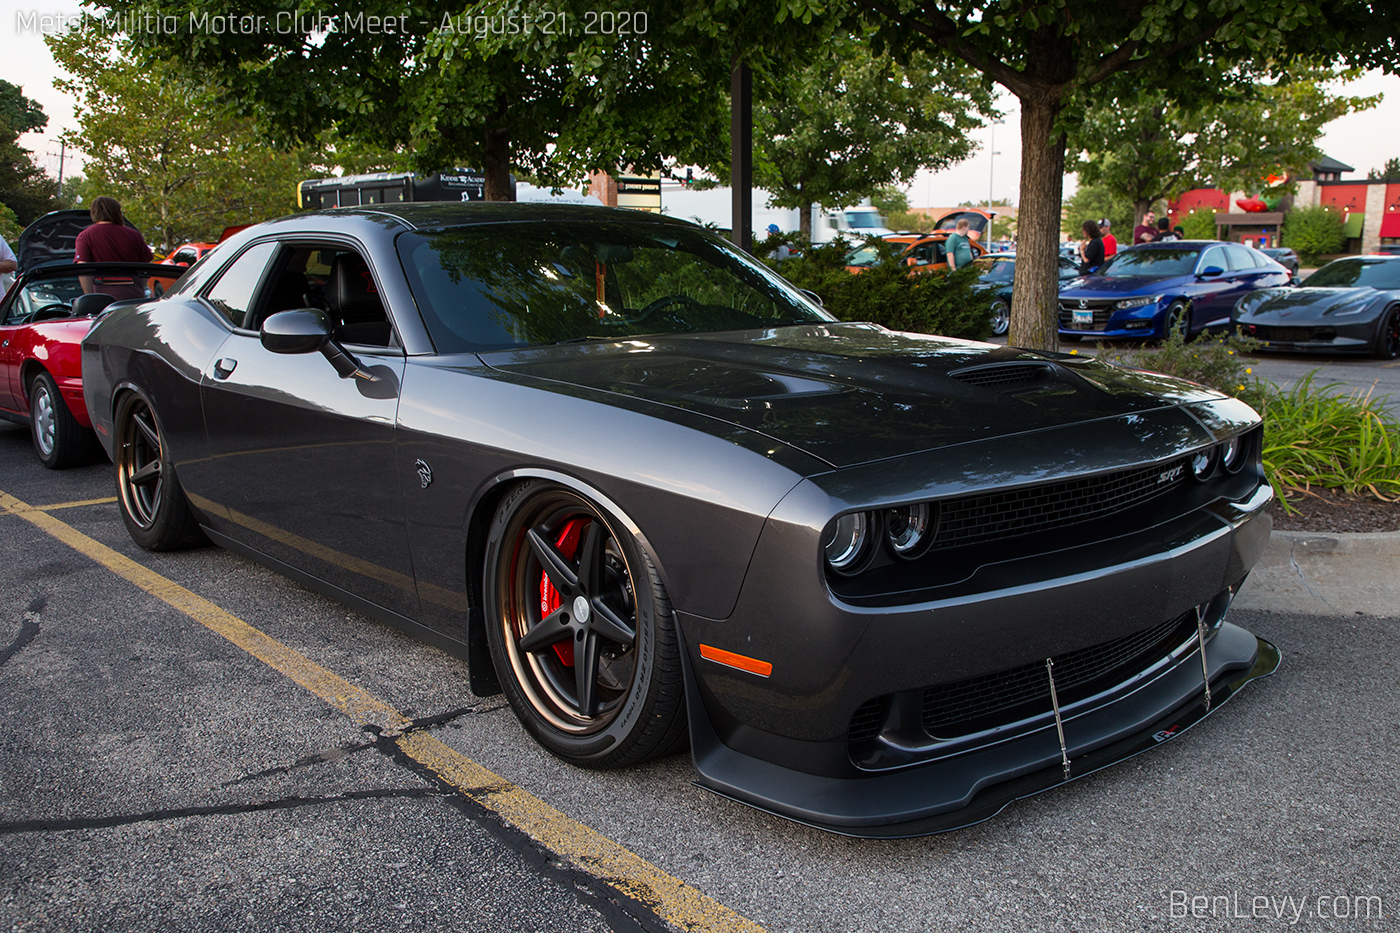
(562, 577)
(1177, 318)
(152, 504)
(1001, 317)
(59, 440)
(1388, 336)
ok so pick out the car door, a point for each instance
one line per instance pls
(301, 460)
(1211, 295)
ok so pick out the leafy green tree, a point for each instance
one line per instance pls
(1145, 147)
(1060, 58)
(1199, 225)
(890, 201)
(1095, 202)
(1313, 231)
(851, 123)
(24, 187)
(1389, 172)
(183, 166)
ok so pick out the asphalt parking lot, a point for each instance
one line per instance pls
(163, 768)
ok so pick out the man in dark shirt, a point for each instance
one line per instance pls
(1146, 231)
(109, 239)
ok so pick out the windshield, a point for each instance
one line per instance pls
(859, 219)
(1158, 262)
(997, 268)
(1349, 273)
(864, 256)
(501, 286)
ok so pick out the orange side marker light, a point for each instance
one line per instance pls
(730, 659)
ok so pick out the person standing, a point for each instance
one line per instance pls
(1164, 231)
(1091, 253)
(960, 246)
(1110, 242)
(109, 239)
(1146, 231)
(8, 265)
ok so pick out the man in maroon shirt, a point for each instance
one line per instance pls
(109, 239)
(1146, 231)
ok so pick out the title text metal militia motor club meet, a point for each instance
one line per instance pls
(291, 22)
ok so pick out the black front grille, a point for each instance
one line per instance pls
(1102, 312)
(1291, 334)
(995, 377)
(1001, 515)
(965, 706)
(865, 721)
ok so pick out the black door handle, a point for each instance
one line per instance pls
(224, 367)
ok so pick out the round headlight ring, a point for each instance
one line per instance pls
(1234, 453)
(910, 529)
(1203, 463)
(847, 541)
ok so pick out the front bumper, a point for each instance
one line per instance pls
(1356, 336)
(784, 744)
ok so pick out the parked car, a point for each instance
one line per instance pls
(43, 319)
(926, 252)
(1152, 289)
(886, 583)
(1388, 249)
(1000, 272)
(182, 257)
(1350, 305)
(1283, 256)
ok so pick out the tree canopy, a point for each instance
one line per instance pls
(1059, 58)
(183, 166)
(24, 188)
(1145, 146)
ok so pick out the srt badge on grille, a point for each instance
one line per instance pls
(1166, 477)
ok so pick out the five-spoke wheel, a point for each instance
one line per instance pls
(581, 631)
(152, 504)
(1001, 317)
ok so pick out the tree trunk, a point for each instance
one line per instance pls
(1140, 208)
(804, 222)
(1035, 305)
(497, 167)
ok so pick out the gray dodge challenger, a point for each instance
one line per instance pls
(879, 583)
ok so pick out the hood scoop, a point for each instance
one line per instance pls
(999, 376)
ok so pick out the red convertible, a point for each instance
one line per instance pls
(43, 319)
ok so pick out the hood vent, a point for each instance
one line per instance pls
(1003, 375)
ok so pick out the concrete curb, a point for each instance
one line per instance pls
(1317, 573)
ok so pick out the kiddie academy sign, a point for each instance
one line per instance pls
(287, 22)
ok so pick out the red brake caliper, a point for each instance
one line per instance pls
(550, 599)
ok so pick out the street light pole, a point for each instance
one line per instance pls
(992, 162)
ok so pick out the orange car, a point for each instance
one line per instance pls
(182, 258)
(925, 252)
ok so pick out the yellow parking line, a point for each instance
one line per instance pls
(74, 505)
(672, 899)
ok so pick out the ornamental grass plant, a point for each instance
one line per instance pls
(1314, 435)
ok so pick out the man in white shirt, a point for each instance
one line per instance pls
(8, 265)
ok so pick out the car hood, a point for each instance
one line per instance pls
(1296, 303)
(53, 238)
(1127, 286)
(854, 393)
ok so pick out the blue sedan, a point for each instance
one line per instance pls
(1150, 290)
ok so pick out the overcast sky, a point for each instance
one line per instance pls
(1363, 140)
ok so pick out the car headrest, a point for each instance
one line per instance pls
(91, 305)
(353, 297)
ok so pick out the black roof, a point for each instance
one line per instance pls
(1329, 164)
(422, 214)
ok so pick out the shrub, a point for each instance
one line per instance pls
(1312, 231)
(1199, 225)
(1216, 361)
(946, 303)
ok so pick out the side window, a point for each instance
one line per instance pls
(232, 294)
(1215, 256)
(1241, 258)
(336, 280)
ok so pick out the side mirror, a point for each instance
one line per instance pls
(1210, 272)
(304, 330)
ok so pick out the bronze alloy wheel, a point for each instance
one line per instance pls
(140, 476)
(152, 504)
(580, 631)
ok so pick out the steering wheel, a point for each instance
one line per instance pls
(665, 301)
(51, 312)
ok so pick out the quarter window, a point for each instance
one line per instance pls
(232, 294)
